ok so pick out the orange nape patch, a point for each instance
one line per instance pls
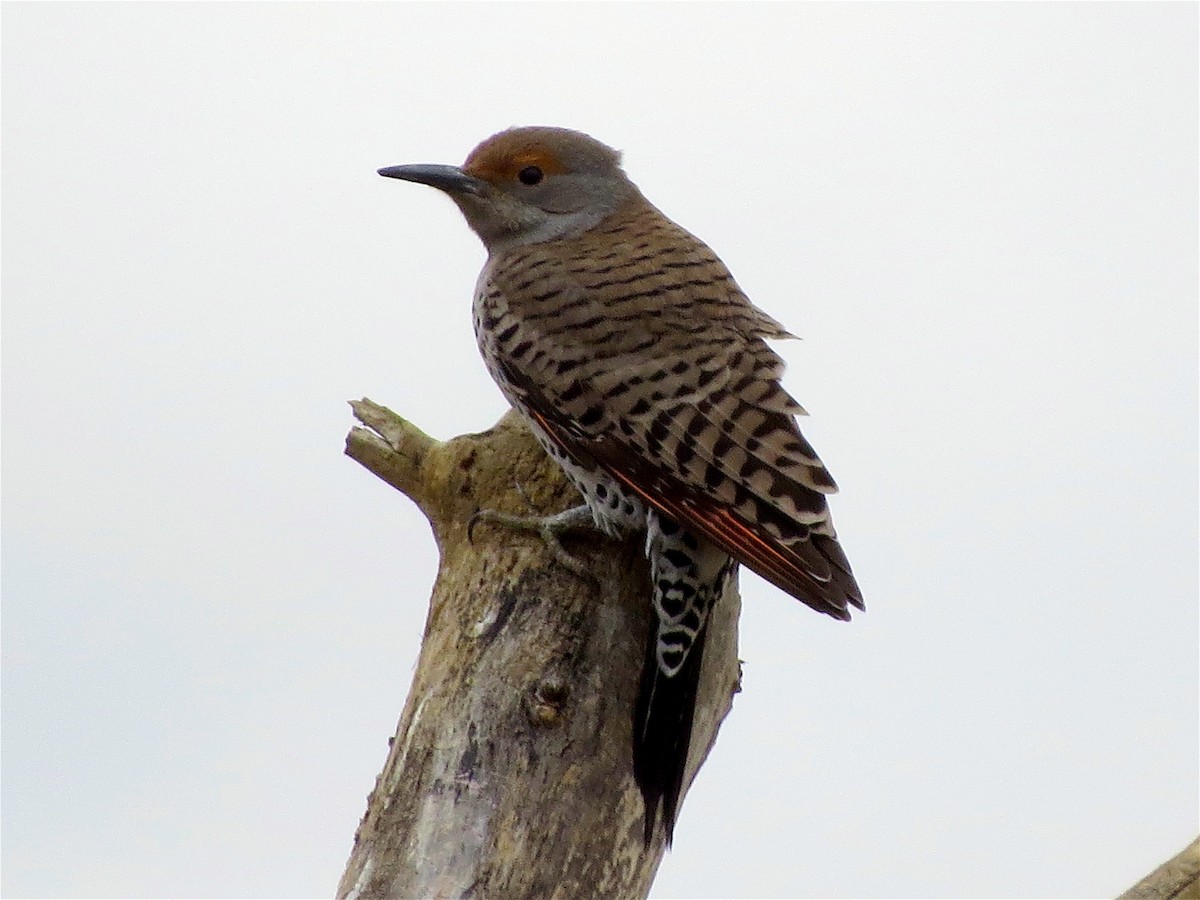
(500, 158)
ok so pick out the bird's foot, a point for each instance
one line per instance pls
(549, 528)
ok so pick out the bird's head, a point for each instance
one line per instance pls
(528, 185)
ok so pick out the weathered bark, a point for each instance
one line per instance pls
(1176, 879)
(510, 771)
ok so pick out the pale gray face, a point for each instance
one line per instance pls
(528, 185)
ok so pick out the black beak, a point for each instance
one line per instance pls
(450, 179)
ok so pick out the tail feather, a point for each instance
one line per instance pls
(663, 732)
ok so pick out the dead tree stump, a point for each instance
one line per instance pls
(510, 774)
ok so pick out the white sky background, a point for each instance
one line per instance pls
(982, 220)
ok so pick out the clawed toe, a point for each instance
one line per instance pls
(549, 528)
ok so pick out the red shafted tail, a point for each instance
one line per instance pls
(806, 580)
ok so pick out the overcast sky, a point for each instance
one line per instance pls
(982, 219)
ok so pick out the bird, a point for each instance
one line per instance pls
(644, 371)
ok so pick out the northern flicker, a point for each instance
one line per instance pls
(644, 372)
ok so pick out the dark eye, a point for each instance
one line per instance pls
(530, 175)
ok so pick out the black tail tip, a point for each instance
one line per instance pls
(668, 822)
(648, 831)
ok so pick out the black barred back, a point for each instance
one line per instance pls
(648, 362)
